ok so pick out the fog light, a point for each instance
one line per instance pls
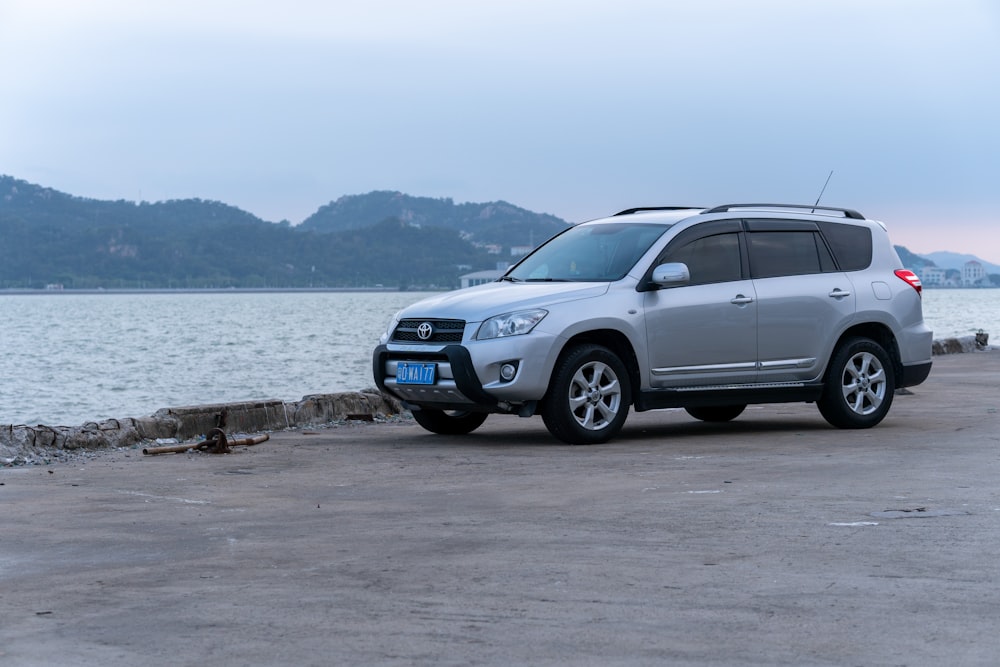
(507, 372)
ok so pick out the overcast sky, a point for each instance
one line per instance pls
(574, 108)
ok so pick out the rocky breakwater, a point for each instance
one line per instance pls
(20, 444)
(978, 341)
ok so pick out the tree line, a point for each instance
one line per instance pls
(50, 238)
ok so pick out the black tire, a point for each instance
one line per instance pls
(860, 385)
(451, 422)
(589, 396)
(716, 413)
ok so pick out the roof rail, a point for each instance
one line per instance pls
(848, 213)
(639, 209)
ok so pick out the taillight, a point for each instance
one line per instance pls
(911, 279)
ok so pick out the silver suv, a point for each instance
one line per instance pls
(702, 309)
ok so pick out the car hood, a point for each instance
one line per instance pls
(475, 304)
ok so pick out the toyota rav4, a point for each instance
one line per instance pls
(703, 309)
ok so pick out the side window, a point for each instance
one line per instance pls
(710, 259)
(788, 253)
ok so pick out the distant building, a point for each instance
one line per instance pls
(973, 274)
(932, 276)
(480, 277)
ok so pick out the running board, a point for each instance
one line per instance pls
(729, 394)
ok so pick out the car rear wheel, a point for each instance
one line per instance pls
(859, 385)
(449, 422)
(588, 397)
(716, 413)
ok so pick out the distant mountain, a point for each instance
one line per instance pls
(47, 207)
(911, 260)
(381, 238)
(52, 238)
(496, 223)
(954, 260)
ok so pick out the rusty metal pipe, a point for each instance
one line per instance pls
(166, 449)
(205, 444)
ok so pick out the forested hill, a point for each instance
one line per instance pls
(911, 260)
(491, 223)
(52, 238)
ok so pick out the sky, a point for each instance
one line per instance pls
(575, 108)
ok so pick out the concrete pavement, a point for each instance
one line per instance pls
(772, 540)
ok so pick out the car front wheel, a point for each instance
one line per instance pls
(859, 386)
(588, 397)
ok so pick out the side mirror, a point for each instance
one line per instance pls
(671, 274)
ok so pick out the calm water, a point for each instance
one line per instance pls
(67, 359)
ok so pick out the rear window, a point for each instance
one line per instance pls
(851, 244)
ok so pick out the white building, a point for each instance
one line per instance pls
(481, 277)
(973, 274)
(932, 276)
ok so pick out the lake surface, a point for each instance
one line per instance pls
(72, 358)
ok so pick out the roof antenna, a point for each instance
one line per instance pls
(823, 190)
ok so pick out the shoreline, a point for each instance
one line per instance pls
(21, 444)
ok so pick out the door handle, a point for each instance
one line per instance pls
(839, 293)
(740, 300)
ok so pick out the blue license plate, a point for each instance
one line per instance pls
(408, 372)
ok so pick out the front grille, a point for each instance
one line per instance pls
(442, 331)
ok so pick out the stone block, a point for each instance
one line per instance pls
(156, 426)
(246, 417)
(954, 345)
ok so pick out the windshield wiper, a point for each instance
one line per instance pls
(510, 279)
(548, 280)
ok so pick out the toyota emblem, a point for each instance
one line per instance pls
(425, 331)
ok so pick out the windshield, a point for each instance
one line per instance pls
(589, 253)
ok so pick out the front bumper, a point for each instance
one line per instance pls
(468, 374)
(457, 385)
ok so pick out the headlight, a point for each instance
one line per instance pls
(510, 324)
(391, 327)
